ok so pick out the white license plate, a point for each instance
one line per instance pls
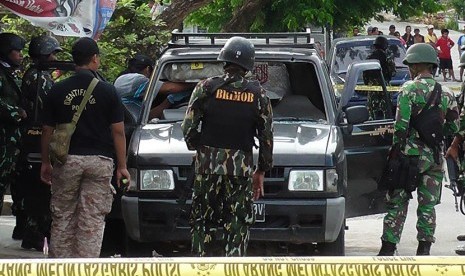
(259, 209)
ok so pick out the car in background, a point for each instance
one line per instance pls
(345, 51)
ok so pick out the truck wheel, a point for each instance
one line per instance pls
(137, 249)
(336, 248)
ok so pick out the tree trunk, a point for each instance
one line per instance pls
(175, 14)
(244, 17)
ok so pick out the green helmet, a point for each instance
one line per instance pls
(421, 53)
(462, 60)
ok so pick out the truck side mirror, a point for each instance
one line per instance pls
(356, 114)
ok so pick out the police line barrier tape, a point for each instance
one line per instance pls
(247, 266)
(378, 88)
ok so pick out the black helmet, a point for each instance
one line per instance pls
(43, 46)
(10, 42)
(381, 42)
(240, 51)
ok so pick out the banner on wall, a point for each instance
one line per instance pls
(65, 17)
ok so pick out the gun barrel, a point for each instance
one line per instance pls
(452, 169)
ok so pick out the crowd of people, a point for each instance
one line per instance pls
(62, 208)
(442, 44)
(77, 194)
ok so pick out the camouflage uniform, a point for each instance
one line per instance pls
(412, 99)
(377, 101)
(81, 197)
(36, 193)
(222, 194)
(10, 100)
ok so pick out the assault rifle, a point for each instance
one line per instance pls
(456, 180)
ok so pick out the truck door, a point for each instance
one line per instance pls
(366, 144)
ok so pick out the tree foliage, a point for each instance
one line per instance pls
(293, 15)
(459, 6)
(130, 30)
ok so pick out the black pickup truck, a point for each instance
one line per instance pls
(308, 193)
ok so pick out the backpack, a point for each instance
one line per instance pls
(429, 122)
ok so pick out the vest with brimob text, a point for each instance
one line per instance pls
(230, 117)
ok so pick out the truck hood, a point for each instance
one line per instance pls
(295, 144)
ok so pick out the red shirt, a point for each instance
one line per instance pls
(444, 45)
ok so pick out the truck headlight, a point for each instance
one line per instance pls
(156, 180)
(306, 180)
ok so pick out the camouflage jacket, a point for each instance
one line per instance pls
(388, 68)
(210, 160)
(412, 98)
(10, 99)
(32, 93)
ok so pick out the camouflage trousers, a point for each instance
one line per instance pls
(377, 106)
(221, 200)
(9, 156)
(81, 197)
(428, 195)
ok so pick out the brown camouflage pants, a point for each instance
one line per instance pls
(81, 197)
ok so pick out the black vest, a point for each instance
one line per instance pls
(230, 117)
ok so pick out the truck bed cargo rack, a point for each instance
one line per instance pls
(215, 40)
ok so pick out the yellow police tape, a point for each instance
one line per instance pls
(251, 266)
(378, 88)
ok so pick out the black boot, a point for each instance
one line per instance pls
(18, 231)
(423, 248)
(387, 249)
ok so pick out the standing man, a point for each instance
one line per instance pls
(421, 59)
(81, 189)
(431, 39)
(11, 115)
(36, 84)
(445, 59)
(417, 37)
(378, 103)
(408, 37)
(453, 150)
(230, 111)
(461, 48)
(392, 30)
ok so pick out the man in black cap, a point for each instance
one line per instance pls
(81, 189)
(131, 84)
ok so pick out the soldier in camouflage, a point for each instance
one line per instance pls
(230, 111)
(35, 86)
(11, 113)
(454, 150)
(421, 59)
(379, 103)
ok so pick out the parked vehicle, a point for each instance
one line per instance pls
(309, 192)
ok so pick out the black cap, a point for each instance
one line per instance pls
(85, 47)
(140, 60)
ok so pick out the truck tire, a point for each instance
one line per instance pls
(336, 248)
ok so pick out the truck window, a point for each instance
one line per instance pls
(293, 88)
